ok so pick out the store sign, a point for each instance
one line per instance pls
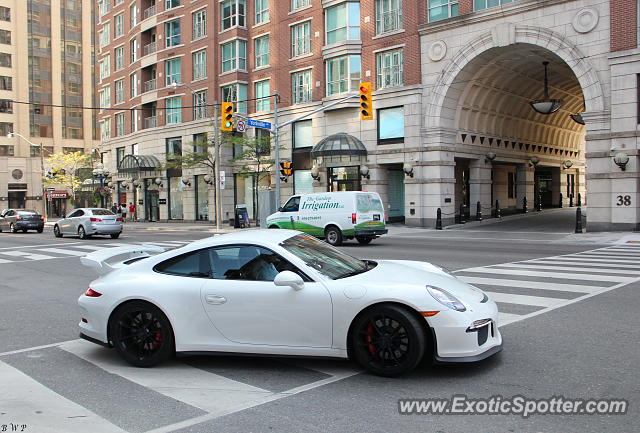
(162, 201)
(57, 194)
(222, 179)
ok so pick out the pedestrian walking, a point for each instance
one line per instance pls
(123, 211)
(114, 208)
(132, 210)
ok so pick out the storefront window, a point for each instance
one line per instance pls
(302, 182)
(202, 199)
(344, 179)
(175, 198)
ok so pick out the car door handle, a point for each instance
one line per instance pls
(215, 299)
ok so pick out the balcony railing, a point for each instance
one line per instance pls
(150, 85)
(150, 48)
(149, 12)
(151, 122)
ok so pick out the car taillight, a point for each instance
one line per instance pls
(353, 218)
(42, 217)
(19, 218)
(95, 220)
(92, 293)
(120, 219)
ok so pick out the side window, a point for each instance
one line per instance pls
(292, 205)
(79, 213)
(194, 264)
(249, 263)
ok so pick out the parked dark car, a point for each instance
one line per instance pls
(13, 220)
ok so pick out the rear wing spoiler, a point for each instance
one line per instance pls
(98, 259)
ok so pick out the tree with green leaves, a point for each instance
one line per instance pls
(66, 170)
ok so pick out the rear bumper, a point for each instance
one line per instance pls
(371, 232)
(105, 229)
(30, 225)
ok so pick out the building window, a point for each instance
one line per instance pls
(118, 26)
(5, 60)
(105, 129)
(301, 39)
(302, 134)
(119, 89)
(233, 13)
(6, 106)
(173, 70)
(301, 86)
(342, 22)
(175, 198)
(120, 153)
(119, 124)
(105, 97)
(173, 109)
(388, 15)
(104, 6)
(6, 83)
(200, 143)
(199, 24)
(343, 74)
(391, 125)
(105, 67)
(262, 11)
(236, 93)
(172, 32)
(133, 44)
(442, 9)
(263, 90)
(170, 4)
(133, 15)
(104, 36)
(6, 150)
(173, 147)
(200, 105)
(134, 122)
(119, 57)
(484, 4)
(133, 79)
(262, 51)
(5, 37)
(234, 55)
(298, 4)
(199, 65)
(389, 66)
(5, 13)
(6, 128)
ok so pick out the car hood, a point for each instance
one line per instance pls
(395, 275)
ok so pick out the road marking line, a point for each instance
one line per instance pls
(607, 256)
(38, 246)
(529, 284)
(162, 244)
(29, 349)
(61, 251)
(622, 251)
(538, 301)
(567, 268)
(561, 275)
(506, 318)
(26, 255)
(6, 261)
(89, 247)
(594, 259)
(599, 263)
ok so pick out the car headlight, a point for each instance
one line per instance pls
(446, 298)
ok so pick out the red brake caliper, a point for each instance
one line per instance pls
(372, 348)
(159, 339)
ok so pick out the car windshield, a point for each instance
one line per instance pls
(101, 212)
(324, 258)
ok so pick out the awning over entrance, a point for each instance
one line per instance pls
(339, 148)
(137, 163)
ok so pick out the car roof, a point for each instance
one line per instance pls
(269, 236)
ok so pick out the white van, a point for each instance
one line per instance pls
(334, 216)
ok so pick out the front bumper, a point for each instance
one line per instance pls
(371, 232)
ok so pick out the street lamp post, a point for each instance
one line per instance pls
(100, 173)
(39, 146)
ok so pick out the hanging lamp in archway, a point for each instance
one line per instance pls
(546, 105)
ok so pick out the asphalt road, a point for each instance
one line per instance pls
(577, 340)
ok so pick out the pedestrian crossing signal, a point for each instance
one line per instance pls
(227, 116)
(286, 170)
(366, 103)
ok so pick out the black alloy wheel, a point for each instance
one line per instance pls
(142, 334)
(387, 340)
(115, 235)
(81, 233)
(12, 228)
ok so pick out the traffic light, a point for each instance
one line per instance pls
(227, 116)
(286, 170)
(366, 103)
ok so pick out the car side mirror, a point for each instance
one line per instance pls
(64, 215)
(280, 209)
(288, 278)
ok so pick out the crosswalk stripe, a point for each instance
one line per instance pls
(164, 244)
(613, 262)
(506, 318)
(621, 251)
(607, 256)
(26, 255)
(193, 386)
(63, 251)
(567, 268)
(5, 261)
(599, 264)
(538, 301)
(28, 397)
(89, 247)
(545, 274)
(530, 284)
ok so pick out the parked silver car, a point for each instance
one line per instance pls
(85, 222)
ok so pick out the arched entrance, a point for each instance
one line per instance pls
(341, 155)
(494, 146)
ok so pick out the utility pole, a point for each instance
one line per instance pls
(277, 145)
(216, 165)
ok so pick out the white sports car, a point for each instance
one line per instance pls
(282, 292)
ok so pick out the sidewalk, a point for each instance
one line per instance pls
(174, 226)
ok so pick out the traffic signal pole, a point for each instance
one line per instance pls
(276, 142)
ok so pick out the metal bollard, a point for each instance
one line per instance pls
(560, 202)
(578, 220)
(478, 212)
(498, 213)
(524, 205)
(570, 200)
(462, 220)
(579, 200)
(539, 207)
(439, 219)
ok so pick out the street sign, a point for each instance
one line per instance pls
(258, 124)
(241, 126)
(222, 179)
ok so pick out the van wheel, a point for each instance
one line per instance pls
(274, 227)
(333, 235)
(364, 240)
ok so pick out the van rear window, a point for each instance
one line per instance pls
(369, 203)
